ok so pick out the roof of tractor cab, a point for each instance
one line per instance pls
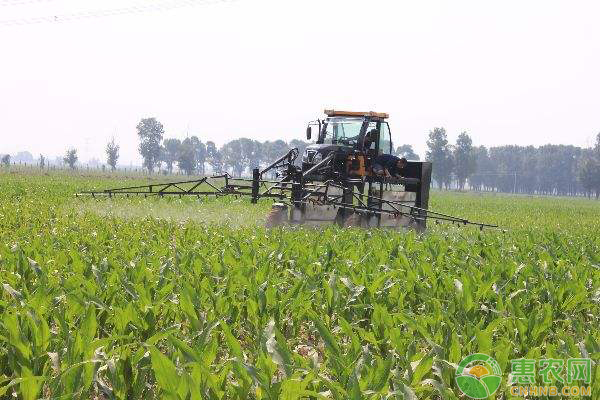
(338, 113)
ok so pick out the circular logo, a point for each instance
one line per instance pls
(478, 376)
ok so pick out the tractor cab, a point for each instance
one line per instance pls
(359, 136)
(342, 158)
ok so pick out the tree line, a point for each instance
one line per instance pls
(191, 155)
(549, 170)
(562, 170)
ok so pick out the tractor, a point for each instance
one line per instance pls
(346, 144)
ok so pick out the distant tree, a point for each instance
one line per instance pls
(232, 152)
(589, 176)
(274, 150)
(484, 170)
(240, 154)
(112, 154)
(252, 153)
(440, 155)
(187, 156)
(214, 157)
(464, 159)
(170, 152)
(589, 170)
(556, 168)
(6, 160)
(406, 151)
(24, 157)
(201, 156)
(150, 132)
(507, 164)
(42, 161)
(70, 158)
(199, 153)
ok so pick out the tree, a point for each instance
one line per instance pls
(42, 161)
(274, 150)
(406, 151)
(589, 176)
(483, 169)
(150, 132)
(112, 154)
(231, 152)
(214, 157)
(199, 153)
(589, 171)
(252, 153)
(6, 160)
(170, 152)
(23, 157)
(187, 156)
(240, 154)
(440, 156)
(201, 156)
(70, 158)
(464, 159)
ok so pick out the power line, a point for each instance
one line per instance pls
(158, 6)
(4, 3)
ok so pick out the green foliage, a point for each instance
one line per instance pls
(439, 153)
(112, 154)
(464, 159)
(231, 156)
(71, 158)
(97, 303)
(150, 132)
(170, 152)
(186, 159)
(243, 153)
(214, 157)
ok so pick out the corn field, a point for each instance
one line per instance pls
(194, 299)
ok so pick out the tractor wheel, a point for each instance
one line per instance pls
(353, 220)
(277, 216)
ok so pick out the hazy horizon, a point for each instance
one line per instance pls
(508, 72)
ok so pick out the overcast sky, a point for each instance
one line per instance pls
(507, 72)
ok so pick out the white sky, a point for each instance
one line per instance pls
(508, 72)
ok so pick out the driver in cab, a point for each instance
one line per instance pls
(389, 166)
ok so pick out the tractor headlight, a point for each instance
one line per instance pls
(311, 156)
(305, 157)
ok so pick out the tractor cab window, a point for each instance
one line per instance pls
(341, 131)
(378, 136)
(371, 136)
(385, 139)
